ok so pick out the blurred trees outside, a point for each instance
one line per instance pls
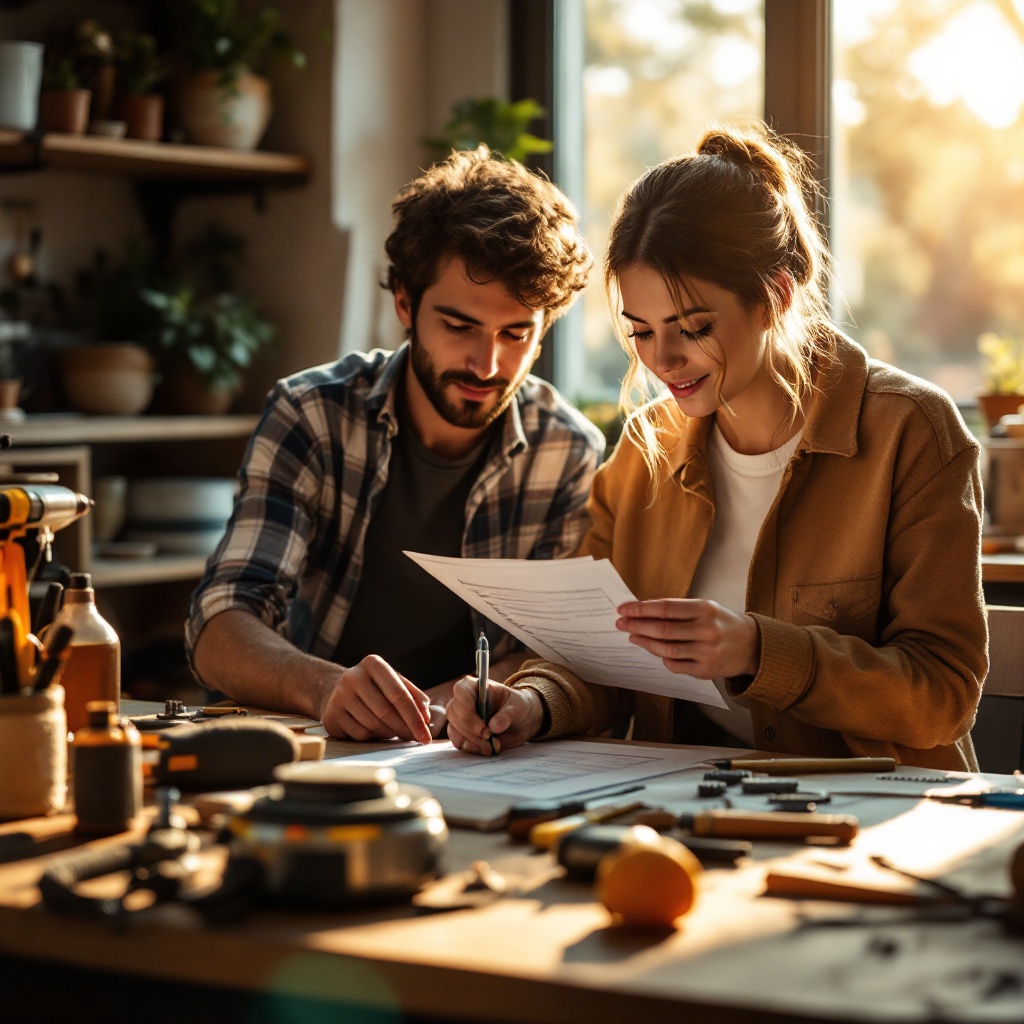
(927, 190)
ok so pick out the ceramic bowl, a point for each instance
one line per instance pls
(110, 379)
(181, 503)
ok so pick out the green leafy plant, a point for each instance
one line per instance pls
(61, 74)
(73, 56)
(217, 335)
(200, 320)
(217, 36)
(140, 68)
(1002, 363)
(486, 119)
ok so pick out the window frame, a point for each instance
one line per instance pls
(798, 76)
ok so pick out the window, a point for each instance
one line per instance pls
(927, 189)
(653, 73)
(921, 143)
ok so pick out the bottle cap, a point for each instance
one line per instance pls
(102, 713)
(80, 581)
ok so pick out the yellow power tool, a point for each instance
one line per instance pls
(46, 508)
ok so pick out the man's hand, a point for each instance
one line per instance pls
(516, 717)
(694, 636)
(371, 701)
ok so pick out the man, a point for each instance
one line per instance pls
(447, 446)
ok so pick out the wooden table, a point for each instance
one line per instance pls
(1004, 567)
(550, 954)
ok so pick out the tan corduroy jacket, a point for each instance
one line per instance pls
(865, 580)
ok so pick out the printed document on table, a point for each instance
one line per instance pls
(540, 771)
(564, 610)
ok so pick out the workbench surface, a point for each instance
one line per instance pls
(549, 953)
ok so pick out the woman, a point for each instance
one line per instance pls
(799, 523)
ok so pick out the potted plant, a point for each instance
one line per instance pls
(205, 345)
(1003, 370)
(205, 333)
(63, 99)
(140, 70)
(500, 125)
(225, 100)
(112, 373)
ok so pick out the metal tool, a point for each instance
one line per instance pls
(810, 765)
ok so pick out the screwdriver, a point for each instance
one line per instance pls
(737, 824)
(547, 833)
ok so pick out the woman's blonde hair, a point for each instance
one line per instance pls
(737, 213)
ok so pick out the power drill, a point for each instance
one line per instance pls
(27, 506)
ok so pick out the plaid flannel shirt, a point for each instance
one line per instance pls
(292, 554)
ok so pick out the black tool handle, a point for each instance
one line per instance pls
(10, 681)
(48, 670)
(58, 881)
(48, 607)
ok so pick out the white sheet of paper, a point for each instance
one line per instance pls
(564, 610)
(536, 771)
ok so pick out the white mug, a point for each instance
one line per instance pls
(21, 69)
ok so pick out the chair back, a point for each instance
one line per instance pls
(1005, 652)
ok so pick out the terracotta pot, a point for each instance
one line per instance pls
(994, 407)
(185, 392)
(110, 379)
(214, 116)
(64, 110)
(144, 116)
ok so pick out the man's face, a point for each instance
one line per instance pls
(472, 345)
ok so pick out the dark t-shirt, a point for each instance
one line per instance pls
(400, 611)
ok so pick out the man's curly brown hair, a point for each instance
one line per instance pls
(504, 222)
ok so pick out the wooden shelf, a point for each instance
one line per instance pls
(122, 572)
(73, 428)
(157, 160)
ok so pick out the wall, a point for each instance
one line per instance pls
(401, 66)
(381, 75)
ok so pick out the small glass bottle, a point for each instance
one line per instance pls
(93, 670)
(108, 772)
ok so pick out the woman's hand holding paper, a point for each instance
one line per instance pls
(693, 636)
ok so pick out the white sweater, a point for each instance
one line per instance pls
(745, 487)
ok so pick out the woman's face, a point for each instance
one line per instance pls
(686, 349)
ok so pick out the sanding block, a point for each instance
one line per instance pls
(224, 754)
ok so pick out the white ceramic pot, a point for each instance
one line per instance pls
(21, 70)
(110, 379)
(212, 115)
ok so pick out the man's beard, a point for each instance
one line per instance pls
(460, 412)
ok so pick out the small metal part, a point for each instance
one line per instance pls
(770, 785)
(929, 779)
(173, 709)
(796, 803)
(716, 787)
(730, 776)
(801, 800)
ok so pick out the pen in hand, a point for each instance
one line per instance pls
(483, 669)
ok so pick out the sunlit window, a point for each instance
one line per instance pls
(926, 210)
(928, 178)
(655, 72)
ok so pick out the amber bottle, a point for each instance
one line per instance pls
(108, 772)
(93, 670)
